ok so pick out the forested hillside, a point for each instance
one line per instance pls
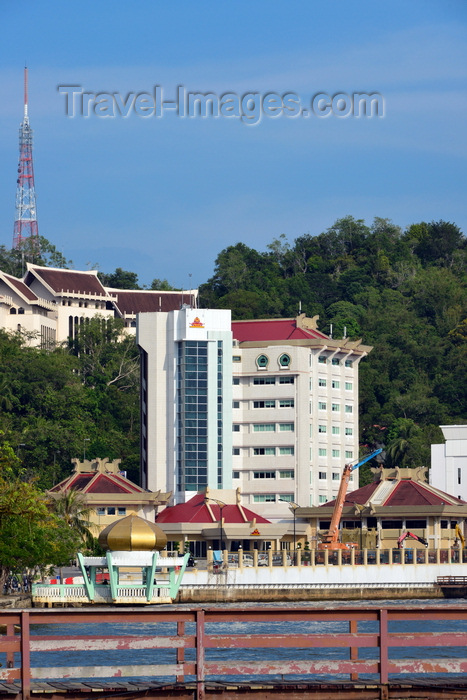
(403, 292)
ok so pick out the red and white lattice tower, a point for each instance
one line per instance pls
(26, 217)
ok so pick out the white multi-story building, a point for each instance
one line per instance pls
(49, 304)
(295, 412)
(186, 400)
(270, 407)
(449, 462)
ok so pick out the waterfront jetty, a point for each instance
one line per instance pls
(355, 651)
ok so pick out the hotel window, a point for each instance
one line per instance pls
(111, 510)
(336, 430)
(322, 429)
(287, 474)
(289, 498)
(121, 511)
(284, 360)
(286, 380)
(322, 499)
(322, 359)
(264, 475)
(264, 427)
(286, 427)
(335, 384)
(235, 404)
(336, 476)
(236, 381)
(349, 431)
(335, 407)
(235, 450)
(286, 450)
(286, 403)
(100, 511)
(348, 363)
(264, 498)
(348, 409)
(236, 428)
(336, 453)
(262, 361)
(235, 475)
(236, 358)
(348, 386)
(264, 380)
(322, 452)
(264, 451)
(268, 403)
(458, 475)
(321, 382)
(335, 361)
(322, 475)
(322, 405)
(348, 454)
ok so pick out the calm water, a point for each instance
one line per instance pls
(161, 656)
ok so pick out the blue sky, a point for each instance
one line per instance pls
(163, 196)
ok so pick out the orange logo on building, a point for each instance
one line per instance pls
(256, 532)
(197, 323)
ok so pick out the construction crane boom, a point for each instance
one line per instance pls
(331, 540)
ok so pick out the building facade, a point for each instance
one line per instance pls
(449, 461)
(49, 304)
(269, 407)
(295, 412)
(186, 400)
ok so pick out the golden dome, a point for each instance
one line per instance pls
(132, 534)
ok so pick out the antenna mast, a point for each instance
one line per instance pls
(26, 218)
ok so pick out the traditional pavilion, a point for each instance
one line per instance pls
(217, 519)
(398, 500)
(108, 493)
(133, 571)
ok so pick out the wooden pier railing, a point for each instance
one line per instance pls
(300, 651)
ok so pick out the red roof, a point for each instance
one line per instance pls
(20, 287)
(68, 280)
(403, 493)
(134, 302)
(412, 493)
(195, 511)
(98, 483)
(272, 329)
(360, 496)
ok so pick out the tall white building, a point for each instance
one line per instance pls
(449, 462)
(295, 412)
(270, 407)
(186, 400)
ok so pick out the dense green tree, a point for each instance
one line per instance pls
(71, 507)
(31, 536)
(120, 279)
(162, 285)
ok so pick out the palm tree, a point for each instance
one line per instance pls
(71, 507)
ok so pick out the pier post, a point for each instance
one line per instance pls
(180, 650)
(25, 657)
(200, 655)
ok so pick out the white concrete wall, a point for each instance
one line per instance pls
(327, 575)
